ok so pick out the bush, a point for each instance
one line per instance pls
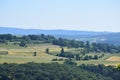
(95, 57)
(70, 62)
(61, 59)
(54, 59)
(86, 57)
(3, 52)
(23, 44)
(67, 55)
(118, 67)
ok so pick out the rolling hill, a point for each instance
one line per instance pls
(4, 30)
(92, 36)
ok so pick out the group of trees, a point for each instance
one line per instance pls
(42, 37)
(79, 56)
(68, 43)
(55, 71)
(6, 37)
(26, 39)
(88, 47)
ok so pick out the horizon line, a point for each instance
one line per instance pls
(57, 29)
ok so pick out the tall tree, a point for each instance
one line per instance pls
(62, 52)
(87, 47)
(35, 54)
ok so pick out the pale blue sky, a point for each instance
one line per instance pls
(90, 15)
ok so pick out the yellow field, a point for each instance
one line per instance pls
(23, 55)
(113, 58)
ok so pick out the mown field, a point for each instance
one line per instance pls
(18, 54)
(14, 54)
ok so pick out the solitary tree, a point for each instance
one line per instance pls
(35, 54)
(87, 47)
(47, 50)
(62, 52)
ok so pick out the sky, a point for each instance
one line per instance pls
(87, 15)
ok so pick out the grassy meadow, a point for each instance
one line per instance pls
(14, 54)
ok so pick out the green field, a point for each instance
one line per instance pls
(18, 54)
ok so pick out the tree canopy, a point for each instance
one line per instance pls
(48, 71)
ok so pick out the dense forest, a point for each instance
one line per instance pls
(38, 39)
(108, 71)
(55, 71)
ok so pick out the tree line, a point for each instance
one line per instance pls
(87, 46)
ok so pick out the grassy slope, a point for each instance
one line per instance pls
(22, 55)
